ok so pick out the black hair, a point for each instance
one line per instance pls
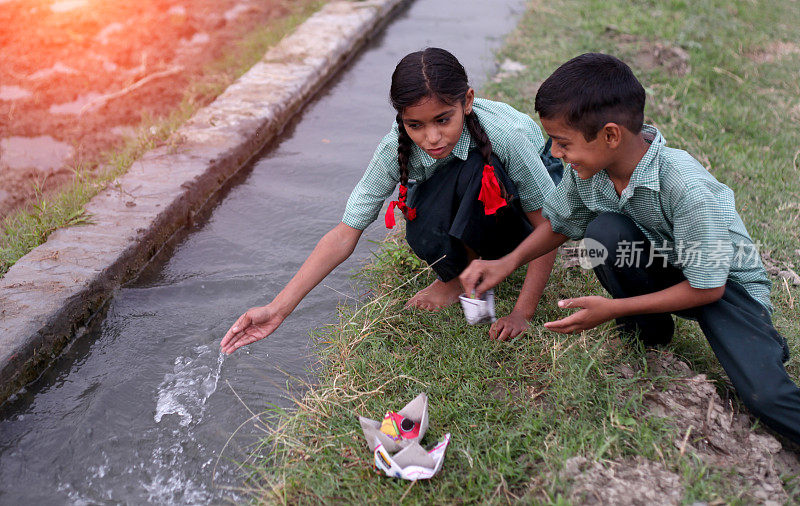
(591, 90)
(431, 73)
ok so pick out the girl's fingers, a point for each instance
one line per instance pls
(236, 329)
(247, 340)
(471, 276)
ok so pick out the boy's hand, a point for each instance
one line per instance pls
(595, 310)
(257, 323)
(508, 327)
(481, 275)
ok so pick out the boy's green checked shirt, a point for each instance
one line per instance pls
(517, 142)
(688, 216)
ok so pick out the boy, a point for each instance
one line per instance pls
(664, 236)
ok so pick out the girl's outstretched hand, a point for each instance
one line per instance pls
(594, 310)
(481, 275)
(508, 327)
(257, 323)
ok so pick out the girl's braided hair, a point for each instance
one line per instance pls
(431, 73)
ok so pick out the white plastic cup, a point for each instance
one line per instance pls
(478, 310)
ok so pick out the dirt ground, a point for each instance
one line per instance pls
(712, 432)
(77, 75)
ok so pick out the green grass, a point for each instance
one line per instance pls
(23, 230)
(519, 410)
(736, 114)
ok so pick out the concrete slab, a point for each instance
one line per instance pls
(49, 295)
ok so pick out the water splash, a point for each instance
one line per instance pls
(184, 391)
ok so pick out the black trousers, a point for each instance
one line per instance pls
(737, 327)
(449, 216)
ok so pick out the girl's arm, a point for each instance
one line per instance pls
(481, 275)
(259, 322)
(535, 281)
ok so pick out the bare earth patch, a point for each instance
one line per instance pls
(78, 75)
(774, 52)
(648, 54)
(716, 434)
(631, 482)
(709, 429)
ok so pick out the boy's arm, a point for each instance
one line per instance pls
(596, 310)
(259, 322)
(535, 280)
(481, 275)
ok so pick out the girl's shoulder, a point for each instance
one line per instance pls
(502, 116)
(505, 124)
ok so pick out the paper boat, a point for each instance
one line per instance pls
(400, 456)
(416, 410)
(414, 462)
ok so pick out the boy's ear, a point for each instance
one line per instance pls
(468, 99)
(611, 135)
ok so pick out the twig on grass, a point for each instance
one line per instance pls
(413, 482)
(685, 440)
(100, 101)
(788, 293)
(728, 73)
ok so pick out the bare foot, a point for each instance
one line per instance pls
(437, 295)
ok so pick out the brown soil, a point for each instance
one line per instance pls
(710, 430)
(648, 55)
(630, 482)
(773, 52)
(84, 72)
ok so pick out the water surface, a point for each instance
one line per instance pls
(140, 410)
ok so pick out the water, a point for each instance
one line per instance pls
(140, 410)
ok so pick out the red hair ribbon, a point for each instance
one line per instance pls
(409, 212)
(490, 191)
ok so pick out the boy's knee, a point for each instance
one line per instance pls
(762, 402)
(609, 229)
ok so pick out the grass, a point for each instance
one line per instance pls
(23, 230)
(519, 410)
(733, 111)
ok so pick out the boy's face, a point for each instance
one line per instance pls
(587, 158)
(436, 126)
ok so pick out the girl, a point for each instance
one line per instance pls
(480, 183)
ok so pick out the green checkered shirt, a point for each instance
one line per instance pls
(688, 216)
(517, 142)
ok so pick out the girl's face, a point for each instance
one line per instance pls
(436, 126)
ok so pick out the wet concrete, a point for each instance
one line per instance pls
(140, 408)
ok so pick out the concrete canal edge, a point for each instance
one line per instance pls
(48, 297)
